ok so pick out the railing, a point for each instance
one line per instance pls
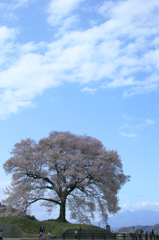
(85, 235)
(135, 236)
(105, 236)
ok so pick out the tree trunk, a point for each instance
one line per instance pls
(62, 212)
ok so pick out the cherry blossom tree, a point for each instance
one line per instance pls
(65, 170)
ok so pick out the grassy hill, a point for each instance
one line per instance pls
(30, 228)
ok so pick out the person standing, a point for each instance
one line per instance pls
(41, 232)
(133, 233)
(146, 235)
(1, 234)
(75, 233)
(140, 232)
(49, 235)
(136, 233)
(80, 232)
(133, 230)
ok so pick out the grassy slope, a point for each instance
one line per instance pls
(31, 228)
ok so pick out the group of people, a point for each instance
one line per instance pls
(42, 233)
(140, 231)
(152, 232)
(1, 234)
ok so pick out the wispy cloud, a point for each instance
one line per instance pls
(124, 21)
(148, 122)
(59, 13)
(20, 3)
(9, 6)
(145, 123)
(148, 85)
(125, 126)
(129, 135)
(127, 117)
(140, 206)
(133, 126)
(89, 90)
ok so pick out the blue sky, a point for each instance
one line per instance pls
(85, 67)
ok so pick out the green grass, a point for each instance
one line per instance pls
(31, 228)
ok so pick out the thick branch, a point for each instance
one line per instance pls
(36, 176)
(46, 199)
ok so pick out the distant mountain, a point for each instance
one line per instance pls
(128, 218)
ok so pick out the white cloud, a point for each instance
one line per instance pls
(125, 126)
(132, 15)
(6, 34)
(129, 135)
(90, 90)
(121, 83)
(140, 206)
(148, 85)
(155, 42)
(59, 12)
(20, 3)
(116, 51)
(23, 81)
(132, 127)
(148, 122)
(7, 37)
(9, 7)
(129, 19)
(126, 117)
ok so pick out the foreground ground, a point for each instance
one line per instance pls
(30, 228)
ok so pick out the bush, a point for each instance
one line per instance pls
(31, 217)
